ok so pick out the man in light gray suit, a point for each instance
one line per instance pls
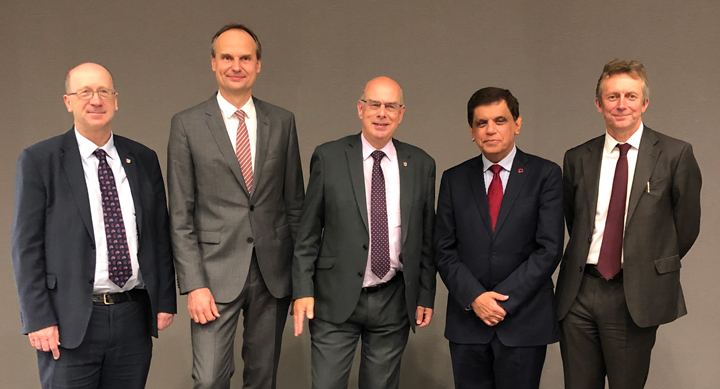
(236, 191)
(632, 208)
(364, 264)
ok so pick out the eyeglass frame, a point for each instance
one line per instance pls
(94, 92)
(388, 108)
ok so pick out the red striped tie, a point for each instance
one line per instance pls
(242, 150)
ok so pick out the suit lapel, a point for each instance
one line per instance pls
(355, 164)
(477, 183)
(129, 164)
(591, 162)
(646, 159)
(72, 166)
(407, 186)
(262, 140)
(515, 183)
(217, 128)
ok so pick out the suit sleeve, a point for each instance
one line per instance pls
(28, 247)
(529, 277)
(687, 182)
(167, 299)
(294, 186)
(459, 280)
(568, 193)
(307, 244)
(181, 193)
(426, 295)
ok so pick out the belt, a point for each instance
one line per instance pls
(372, 289)
(592, 271)
(117, 298)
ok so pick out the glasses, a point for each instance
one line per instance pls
(375, 105)
(87, 94)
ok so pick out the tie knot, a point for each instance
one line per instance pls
(495, 169)
(240, 114)
(100, 153)
(377, 155)
(623, 148)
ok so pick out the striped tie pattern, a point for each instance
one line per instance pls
(242, 150)
(119, 266)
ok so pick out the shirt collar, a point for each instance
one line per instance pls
(228, 110)
(388, 149)
(506, 162)
(634, 140)
(87, 147)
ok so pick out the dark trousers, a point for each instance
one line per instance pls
(599, 338)
(380, 321)
(496, 366)
(115, 352)
(263, 323)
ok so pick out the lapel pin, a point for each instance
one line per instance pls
(404, 163)
(520, 170)
(127, 160)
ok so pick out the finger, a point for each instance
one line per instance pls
(419, 316)
(214, 310)
(45, 344)
(310, 311)
(298, 319)
(203, 318)
(498, 296)
(55, 351)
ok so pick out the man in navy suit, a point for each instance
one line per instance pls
(91, 246)
(499, 236)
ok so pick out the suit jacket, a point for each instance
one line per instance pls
(331, 250)
(215, 222)
(517, 259)
(660, 227)
(53, 246)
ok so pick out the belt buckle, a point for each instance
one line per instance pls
(105, 299)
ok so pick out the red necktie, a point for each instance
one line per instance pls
(495, 194)
(611, 247)
(119, 266)
(379, 240)
(242, 150)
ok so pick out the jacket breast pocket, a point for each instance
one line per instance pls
(668, 264)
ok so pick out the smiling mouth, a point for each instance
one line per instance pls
(381, 124)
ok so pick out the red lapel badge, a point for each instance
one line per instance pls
(404, 163)
(520, 170)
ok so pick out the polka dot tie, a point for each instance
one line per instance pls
(119, 267)
(379, 241)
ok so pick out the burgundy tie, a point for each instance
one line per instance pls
(119, 267)
(495, 194)
(242, 150)
(379, 241)
(611, 248)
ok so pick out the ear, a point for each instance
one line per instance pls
(645, 105)
(518, 124)
(116, 100)
(66, 99)
(259, 66)
(598, 105)
(212, 62)
(360, 109)
(401, 113)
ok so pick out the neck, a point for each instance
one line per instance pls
(99, 136)
(238, 99)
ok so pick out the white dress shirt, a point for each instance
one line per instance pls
(391, 171)
(232, 122)
(506, 164)
(90, 167)
(610, 156)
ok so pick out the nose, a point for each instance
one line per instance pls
(236, 65)
(491, 128)
(622, 103)
(95, 99)
(381, 112)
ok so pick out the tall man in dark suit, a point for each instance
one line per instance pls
(499, 236)
(632, 207)
(90, 246)
(236, 191)
(363, 265)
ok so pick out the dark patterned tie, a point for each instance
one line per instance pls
(611, 247)
(119, 266)
(495, 194)
(379, 241)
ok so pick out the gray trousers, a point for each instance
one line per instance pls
(599, 338)
(380, 321)
(263, 322)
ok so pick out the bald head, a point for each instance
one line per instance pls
(386, 84)
(83, 69)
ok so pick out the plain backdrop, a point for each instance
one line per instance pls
(317, 57)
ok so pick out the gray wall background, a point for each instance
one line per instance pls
(317, 57)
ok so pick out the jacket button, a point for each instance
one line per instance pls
(364, 247)
(493, 255)
(580, 269)
(252, 208)
(91, 282)
(250, 239)
(360, 274)
(589, 240)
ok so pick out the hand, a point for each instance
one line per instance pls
(164, 320)
(201, 306)
(303, 307)
(46, 339)
(423, 316)
(486, 307)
